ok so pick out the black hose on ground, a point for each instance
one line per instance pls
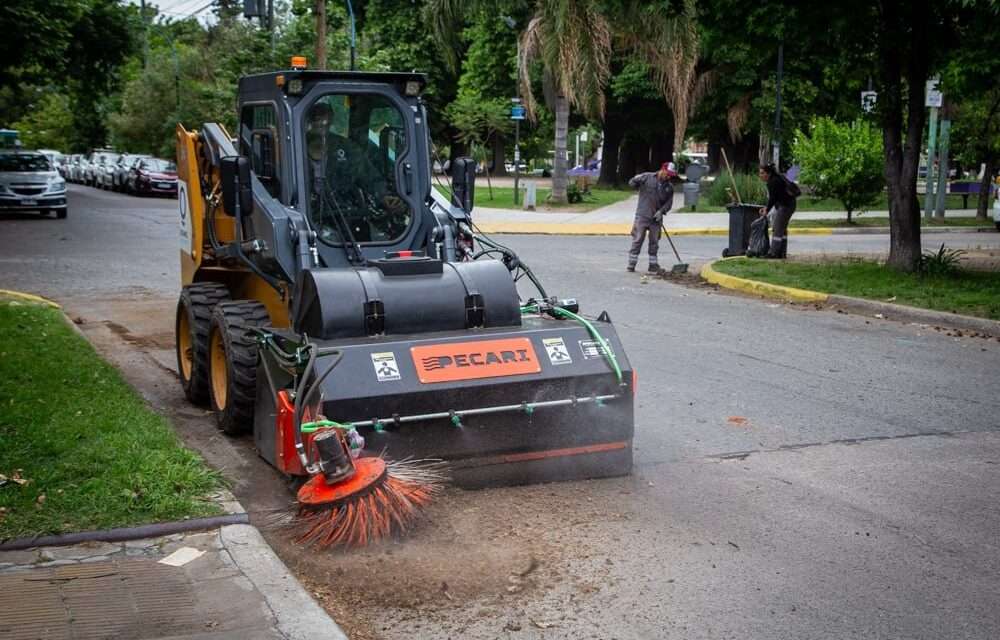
(127, 533)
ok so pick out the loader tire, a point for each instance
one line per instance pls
(191, 329)
(233, 364)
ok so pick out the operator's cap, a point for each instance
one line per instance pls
(670, 168)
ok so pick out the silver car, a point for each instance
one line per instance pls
(28, 182)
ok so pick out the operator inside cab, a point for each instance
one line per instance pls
(353, 143)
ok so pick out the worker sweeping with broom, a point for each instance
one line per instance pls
(656, 196)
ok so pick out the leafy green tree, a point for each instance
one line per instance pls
(49, 125)
(842, 161)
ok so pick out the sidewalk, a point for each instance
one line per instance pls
(616, 219)
(224, 584)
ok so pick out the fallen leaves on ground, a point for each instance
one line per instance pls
(738, 421)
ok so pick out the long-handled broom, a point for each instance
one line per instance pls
(348, 501)
(681, 267)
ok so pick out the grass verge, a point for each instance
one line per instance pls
(503, 198)
(81, 450)
(805, 203)
(865, 221)
(974, 293)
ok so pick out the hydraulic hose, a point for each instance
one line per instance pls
(609, 355)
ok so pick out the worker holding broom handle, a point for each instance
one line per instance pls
(656, 196)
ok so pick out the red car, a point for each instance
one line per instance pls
(153, 176)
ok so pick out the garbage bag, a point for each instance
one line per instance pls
(760, 244)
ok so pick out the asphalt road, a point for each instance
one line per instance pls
(799, 473)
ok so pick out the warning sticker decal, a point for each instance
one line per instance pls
(385, 365)
(558, 353)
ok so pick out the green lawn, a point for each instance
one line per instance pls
(503, 198)
(869, 221)
(972, 293)
(93, 455)
(806, 203)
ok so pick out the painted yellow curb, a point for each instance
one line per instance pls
(610, 229)
(28, 297)
(756, 287)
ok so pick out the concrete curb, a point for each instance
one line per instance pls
(915, 314)
(29, 297)
(621, 229)
(298, 616)
(755, 287)
(857, 305)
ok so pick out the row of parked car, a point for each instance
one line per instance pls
(123, 172)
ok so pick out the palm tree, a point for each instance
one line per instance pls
(572, 41)
(671, 44)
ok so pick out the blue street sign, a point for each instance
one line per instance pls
(517, 112)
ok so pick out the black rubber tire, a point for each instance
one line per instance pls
(725, 252)
(61, 213)
(234, 412)
(196, 303)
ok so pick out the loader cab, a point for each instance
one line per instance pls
(347, 150)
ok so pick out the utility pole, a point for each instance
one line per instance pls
(270, 22)
(320, 34)
(520, 113)
(145, 34)
(354, 37)
(776, 141)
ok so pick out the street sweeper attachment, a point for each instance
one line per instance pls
(349, 500)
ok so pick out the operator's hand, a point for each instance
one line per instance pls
(763, 212)
(658, 217)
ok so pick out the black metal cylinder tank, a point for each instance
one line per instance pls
(403, 296)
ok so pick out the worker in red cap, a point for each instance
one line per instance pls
(656, 196)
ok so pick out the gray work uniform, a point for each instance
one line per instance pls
(654, 196)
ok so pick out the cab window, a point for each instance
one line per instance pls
(354, 146)
(258, 142)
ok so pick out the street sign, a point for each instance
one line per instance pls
(934, 98)
(868, 101)
(517, 112)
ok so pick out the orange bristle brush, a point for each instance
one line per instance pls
(356, 502)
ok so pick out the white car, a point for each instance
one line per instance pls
(28, 182)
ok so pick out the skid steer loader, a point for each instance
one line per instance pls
(325, 282)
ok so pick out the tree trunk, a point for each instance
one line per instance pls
(983, 205)
(849, 219)
(499, 153)
(614, 132)
(663, 150)
(559, 177)
(627, 165)
(902, 28)
(321, 34)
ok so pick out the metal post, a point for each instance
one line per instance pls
(929, 180)
(776, 141)
(517, 131)
(942, 181)
(577, 163)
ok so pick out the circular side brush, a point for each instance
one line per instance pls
(355, 502)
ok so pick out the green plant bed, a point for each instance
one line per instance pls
(806, 203)
(973, 293)
(80, 449)
(503, 198)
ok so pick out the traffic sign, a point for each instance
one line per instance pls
(934, 97)
(868, 100)
(517, 112)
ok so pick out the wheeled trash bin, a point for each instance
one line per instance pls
(740, 217)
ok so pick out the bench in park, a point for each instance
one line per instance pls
(966, 189)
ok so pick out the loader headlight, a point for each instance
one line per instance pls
(412, 88)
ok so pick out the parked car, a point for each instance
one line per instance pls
(104, 175)
(119, 176)
(95, 163)
(56, 158)
(153, 176)
(28, 182)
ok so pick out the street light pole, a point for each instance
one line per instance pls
(776, 142)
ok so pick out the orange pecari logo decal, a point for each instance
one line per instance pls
(470, 360)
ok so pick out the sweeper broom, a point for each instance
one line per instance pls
(354, 320)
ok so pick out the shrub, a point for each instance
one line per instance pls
(751, 188)
(842, 161)
(943, 262)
